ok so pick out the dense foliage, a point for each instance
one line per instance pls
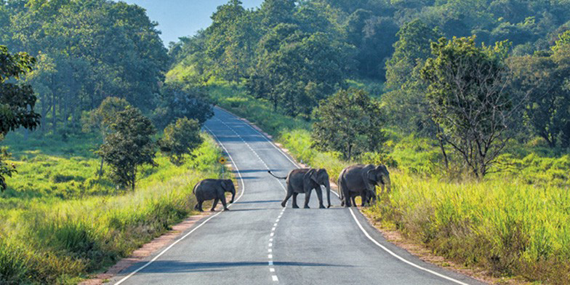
(349, 122)
(86, 51)
(180, 139)
(129, 146)
(296, 53)
(468, 100)
(17, 102)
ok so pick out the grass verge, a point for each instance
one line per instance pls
(60, 224)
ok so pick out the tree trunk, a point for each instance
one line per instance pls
(53, 114)
(100, 173)
(444, 153)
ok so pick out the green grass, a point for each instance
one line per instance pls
(515, 223)
(61, 223)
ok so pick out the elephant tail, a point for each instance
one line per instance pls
(269, 171)
(341, 188)
(194, 189)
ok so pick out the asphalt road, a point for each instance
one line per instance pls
(259, 242)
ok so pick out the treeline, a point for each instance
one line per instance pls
(295, 53)
(86, 51)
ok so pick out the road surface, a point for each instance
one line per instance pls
(259, 242)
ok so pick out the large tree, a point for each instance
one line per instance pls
(296, 70)
(17, 102)
(231, 40)
(181, 139)
(103, 117)
(129, 146)
(542, 79)
(87, 51)
(468, 99)
(349, 122)
(177, 101)
(406, 105)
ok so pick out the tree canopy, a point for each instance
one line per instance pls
(17, 102)
(349, 122)
(86, 51)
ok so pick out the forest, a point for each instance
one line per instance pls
(466, 102)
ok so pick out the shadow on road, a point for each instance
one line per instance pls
(260, 201)
(166, 266)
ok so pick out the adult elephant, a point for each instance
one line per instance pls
(216, 189)
(361, 180)
(304, 181)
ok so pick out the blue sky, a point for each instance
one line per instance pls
(179, 18)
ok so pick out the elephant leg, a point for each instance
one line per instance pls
(320, 196)
(214, 205)
(295, 206)
(199, 206)
(347, 198)
(284, 202)
(364, 198)
(308, 198)
(223, 199)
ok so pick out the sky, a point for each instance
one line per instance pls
(180, 18)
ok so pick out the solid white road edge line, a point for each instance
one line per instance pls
(356, 220)
(399, 257)
(186, 235)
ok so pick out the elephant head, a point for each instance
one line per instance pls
(320, 177)
(228, 186)
(378, 175)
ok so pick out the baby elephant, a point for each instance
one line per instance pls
(216, 189)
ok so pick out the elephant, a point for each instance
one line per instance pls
(216, 189)
(361, 180)
(304, 181)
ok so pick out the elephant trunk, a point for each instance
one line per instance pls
(328, 186)
(388, 183)
(233, 195)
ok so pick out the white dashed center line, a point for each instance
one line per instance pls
(270, 248)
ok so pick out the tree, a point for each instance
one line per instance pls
(406, 104)
(277, 12)
(379, 36)
(296, 69)
(231, 40)
(103, 117)
(468, 100)
(87, 51)
(129, 146)
(177, 101)
(413, 44)
(542, 79)
(180, 139)
(349, 122)
(17, 102)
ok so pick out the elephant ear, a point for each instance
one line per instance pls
(310, 175)
(383, 169)
(322, 175)
(226, 185)
(370, 175)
